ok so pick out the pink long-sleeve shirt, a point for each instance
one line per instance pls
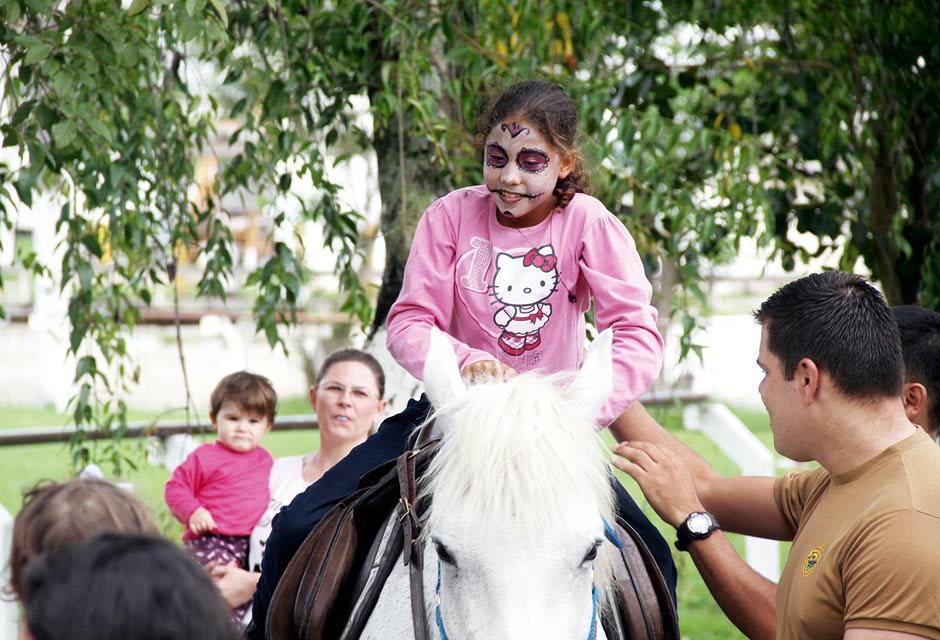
(232, 486)
(519, 295)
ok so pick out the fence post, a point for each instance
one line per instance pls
(9, 610)
(754, 459)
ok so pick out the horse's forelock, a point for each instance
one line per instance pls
(515, 450)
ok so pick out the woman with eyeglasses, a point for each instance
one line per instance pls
(348, 399)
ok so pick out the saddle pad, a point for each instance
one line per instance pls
(314, 597)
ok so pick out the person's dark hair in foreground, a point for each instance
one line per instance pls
(122, 586)
(920, 339)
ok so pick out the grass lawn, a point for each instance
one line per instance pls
(24, 465)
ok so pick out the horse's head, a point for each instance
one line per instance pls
(520, 495)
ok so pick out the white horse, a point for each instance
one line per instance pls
(515, 538)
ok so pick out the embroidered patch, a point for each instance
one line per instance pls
(812, 559)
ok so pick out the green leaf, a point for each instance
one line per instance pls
(37, 53)
(85, 366)
(63, 83)
(101, 129)
(85, 275)
(137, 7)
(22, 112)
(193, 7)
(221, 10)
(63, 132)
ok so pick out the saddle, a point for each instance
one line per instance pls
(333, 581)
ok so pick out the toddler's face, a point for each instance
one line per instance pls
(238, 429)
(521, 168)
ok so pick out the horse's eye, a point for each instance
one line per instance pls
(443, 554)
(591, 555)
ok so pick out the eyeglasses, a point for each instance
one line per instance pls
(337, 390)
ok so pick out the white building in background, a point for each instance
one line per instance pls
(218, 344)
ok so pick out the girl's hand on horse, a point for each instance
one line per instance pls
(486, 371)
(201, 521)
(663, 477)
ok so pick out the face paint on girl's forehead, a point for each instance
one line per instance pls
(514, 128)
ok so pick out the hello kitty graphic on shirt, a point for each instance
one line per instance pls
(521, 284)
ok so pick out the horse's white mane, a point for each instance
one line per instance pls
(517, 451)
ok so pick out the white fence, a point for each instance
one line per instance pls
(9, 612)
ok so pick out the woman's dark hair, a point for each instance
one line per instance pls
(116, 586)
(546, 106)
(841, 323)
(355, 355)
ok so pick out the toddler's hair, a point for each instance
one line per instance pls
(546, 106)
(253, 393)
(355, 355)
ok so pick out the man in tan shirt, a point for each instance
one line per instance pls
(863, 562)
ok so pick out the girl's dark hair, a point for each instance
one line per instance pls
(546, 106)
(355, 355)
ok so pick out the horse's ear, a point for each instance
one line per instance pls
(442, 381)
(591, 388)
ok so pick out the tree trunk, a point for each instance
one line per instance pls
(401, 166)
(884, 206)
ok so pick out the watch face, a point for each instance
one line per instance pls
(699, 523)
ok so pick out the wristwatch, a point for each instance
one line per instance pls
(697, 526)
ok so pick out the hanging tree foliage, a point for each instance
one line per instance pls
(704, 125)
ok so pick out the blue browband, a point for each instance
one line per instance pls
(611, 536)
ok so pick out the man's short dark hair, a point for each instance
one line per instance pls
(920, 341)
(843, 324)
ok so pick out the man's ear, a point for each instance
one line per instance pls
(914, 395)
(808, 378)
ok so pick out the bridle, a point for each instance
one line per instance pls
(611, 536)
(413, 554)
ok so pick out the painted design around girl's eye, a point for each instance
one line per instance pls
(532, 160)
(496, 156)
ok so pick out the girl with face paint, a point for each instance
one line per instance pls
(508, 270)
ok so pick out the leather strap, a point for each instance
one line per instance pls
(413, 551)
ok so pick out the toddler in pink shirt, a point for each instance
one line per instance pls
(221, 489)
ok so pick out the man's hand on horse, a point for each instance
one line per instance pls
(663, 477)
(486, 371)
